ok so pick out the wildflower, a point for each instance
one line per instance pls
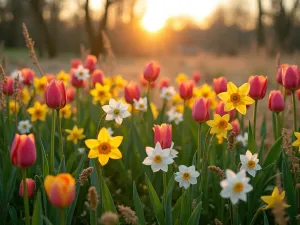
(164, 83)
(275, 198)
(30, 187)
(93, 198)
(104, 147)
(175, 117)
(13, 107)
(132, 91)
(250, 163)
(24, 126)
(40, 84)
(243, 138)
(291, 77)
(258, 87)
(25, 96)
(220, 84)
(186, 89)
(97, 77)
(163, 135)
(17, 74)
(116, 110)
(55, 95)
(297, 142)
(167, 93)
(75, 134)
(236, 98)
(186, 176)
(28, 76)
(109, 218)
(196, 76)
(151, 71)
(90, 62)
(205, 91)
(141, 104)
(60, 189)
(181, 77)
(276, 101)
(128, 214)
(81, 73)
(66, 111)
(235, 186)
(220, 110)
(201, 110)
(38, 112)
(101, 93)
(220, 125)
(63, 76)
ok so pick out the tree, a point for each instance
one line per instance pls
(260, 27)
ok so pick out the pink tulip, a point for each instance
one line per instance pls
(8, 86)
(201, 110)
(291, 77)
(236, 127)
(30, 187)
(55, 94)
(258, 87)
(196, 76)
(163, 135)
(74, 80)
(71, 92)
(276, 102)
(97, 77)
(90, 62)
(151, 71)
(220, 84)
(221, 111)
(164, 82)
(131, 92)
(75, 63)
(186, 89)
(28, 76)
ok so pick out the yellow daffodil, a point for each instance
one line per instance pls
(181, 77)
(119, 82)
(177, 99)
(220, 139)
(101, 93)
(108, 81)
(275, 198)
(63, 76)
(38, 112)
(13, 107)
(75, 134)
(236, 97)
(154, 110)
(297, 142)
(25, 96)
(206, 91)
(179, 108)
(66, 111)
(220, 125)
(104, 147)
(39, 84)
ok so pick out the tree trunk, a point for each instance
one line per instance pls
(260, 27)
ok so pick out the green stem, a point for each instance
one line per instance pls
(78, 104)
(277, 125)
(199, 146)
(255, 215)
(254, 120)
(235, 214)
(25, 197)
(99, 173)
(61, 144)
(8, 113)
(52, 143)
(165, 189)
(62, 216)
(99, 123)
(295, 111)
(148, 92)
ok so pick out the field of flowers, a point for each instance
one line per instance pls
(79, 147)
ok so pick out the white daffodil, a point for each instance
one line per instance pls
(186, 176)
(24, 126)
(173, 152)
(110, 131)
(235, 186)
(167, 93)
(243, 139)
(116, 110)
(81, 73)
(175, 117)
(16, 74)
(250, 163)
(141, 104)
(157, 158)
(81, 150)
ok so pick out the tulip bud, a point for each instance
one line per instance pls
(258, 87)
(221, 110)
(163, 135)
(236, 127)
(276, 102)
(30, 187)
(90, 62)
(60, 189)
(132, 91)
(151, 71)
(220, 84)
(55, 94)
(145, 83)
(23, 151)
(201, 110)
(97, 77)
(186, 89)
(291, 77)
(164, 82)
(71, 92)
(279, 73)
(75, 81)
(75, 63)
(28, 76)
(8, 86)
(196, 77)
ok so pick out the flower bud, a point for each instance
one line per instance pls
(97, 77)
(279, 73)
(90, 62)
(75, 81)
(151, 71)
(201, 110)
(186, 89)
(55, 94)
(196, 77)
(30, 187)
(220, 84)
(291, 77)
(164, 82)
(221, 111)
(132, 91)
(60, 189)
(236, 127)
(163, 135)
(75, 63)
(23, 151)
(28, 76)
(145, 83)
(276, 102)
(71, 92)
(258, 87)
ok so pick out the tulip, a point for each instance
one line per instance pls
(276, 101)
(201, 110)
(279, 73)
(163, 135)
(49, 77)
(151, 71)
(258, 87)
(8, 86)
(196, 77)
(90, 62)
(60, 189)
(291, 77)
(23, 151)
(220, 84)
(97, 77)
(221, 111)
(186, 89)
(74, 80)
(71, 92)
(28, 76)
(145, 83)
(30, 187)
(236, 127)
(75, 63)
(132, 91)
(55, 94)
(164, 82)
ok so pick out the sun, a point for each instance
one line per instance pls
(153, 24)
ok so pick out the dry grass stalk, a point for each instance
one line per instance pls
(109, 218)
(3, 62)
(231, 140)
(83, 177)
(217, 171)
(128, 214)
(93, 198)
(278, 60)
(218, 222)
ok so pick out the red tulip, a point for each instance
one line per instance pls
(97, 77)
(298, 94)
(23, 151)
(74, 80)
(220, 84)
(221, 111)
(196, 77)
(163, 135)
(279, 73)
(186, 89)
(8, 86)
(55, 94)
(75, 63)
(30, 187)
(201, 110)
(132, 91)
(90, 62)
(151, 71)
(28, 75)
(291, 77)
(71, 92)
(236, 127)
(164, 82)
(258, 87)
(145, 83)
(276, 101)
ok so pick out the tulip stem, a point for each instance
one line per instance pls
(148, 92)
(61, 144)
(255, 215)
(25, 197)
(99, 173)
(254, 120)
(235, 214)
(165, 190)
(52, 143)
(78, 104)
(295, 111)
(99, 123)
(62, 216)
(277, 125)
(199, 146)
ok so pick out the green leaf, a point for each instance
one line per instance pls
(266, 221)
(46, 220)
(37, 211)
(138, 206)
(168, 213)
(107, 201)
(251, 140)
(44, 160)
(195, 217)
(263, 128)
(62, 165)
(157, 207)
(13, 214)
(274, 153)
(176, 209)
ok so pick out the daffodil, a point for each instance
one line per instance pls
(154, 110)
(63, 76)
(101, 93)
(75, 134)
(13, 107)
(275, 198)
(181, 77)
(66, 111)
(24, 126)
(104, 147)
(119, 82)
(39, 84)
(177, 99)
(236, 97)
(220, 125)
(38, 112)
(206, 91)
(25, 96)
(297, 142)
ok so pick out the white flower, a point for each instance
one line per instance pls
(167, 93)
(235, 186)
(173, 152)
(250, 163)
(110, 131)
(81, 73)
(15, 74)
(186, 176)
(141, 104)
(243, 139)
(24, 126)
(81, 150)
(158, 159)
(175, 117)
(116, 110)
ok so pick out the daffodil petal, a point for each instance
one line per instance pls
(241, 108)
(103, 135)
(115, 154)
(244, 89)
(267, 199)
(116, 141)
(211, 123)
(228, 106)
(224, 96)
(231, 88)
(92, 143)
(103, 159)
(248, 100)
(94, 153)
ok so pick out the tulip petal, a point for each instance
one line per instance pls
(49, 180)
